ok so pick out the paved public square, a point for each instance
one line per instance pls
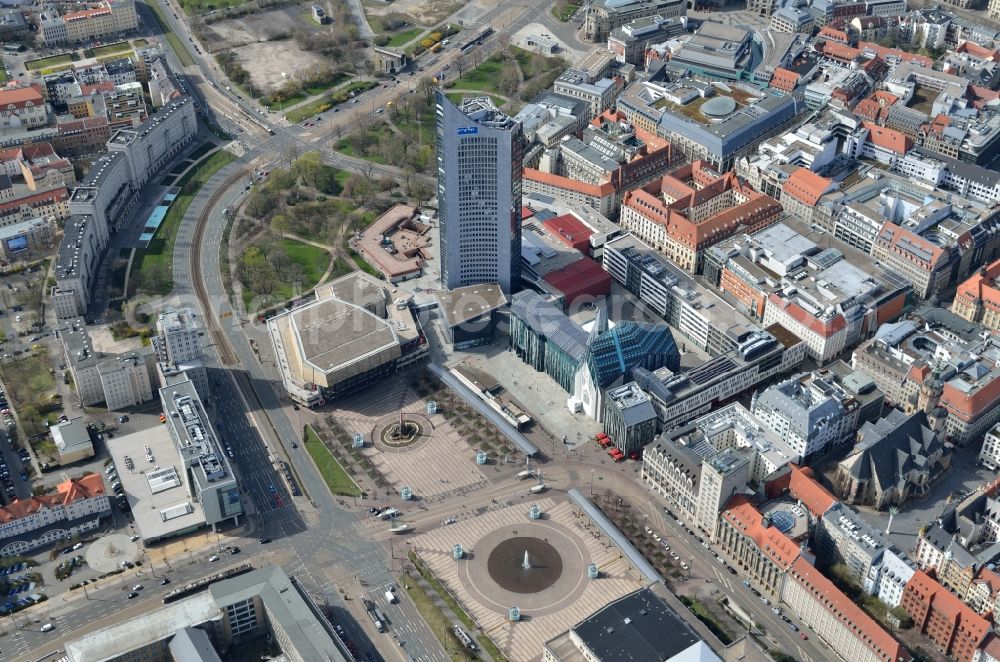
(548, 612)
(420, 465)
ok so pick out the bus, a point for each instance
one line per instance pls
(435, 48)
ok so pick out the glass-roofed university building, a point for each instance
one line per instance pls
(586, 363)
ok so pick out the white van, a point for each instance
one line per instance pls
(390, 597)
(48, 627)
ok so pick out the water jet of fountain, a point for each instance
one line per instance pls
(526, 564)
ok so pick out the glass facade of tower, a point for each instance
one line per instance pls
(479, 153)
(629, 345)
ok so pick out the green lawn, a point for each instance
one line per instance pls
(140, 43)
(312, 259)
(345, 147)
(338, 480)
(110, 49)
(307, 110)
(49, 62)
(439, 624)
(402, 38)
(327, 101)
(566, 12)
(183, 54)
(3, 76)
(706, 617)
(486, 77)
(158, 257)
(338, 79)
(202, 6)
(313, 262)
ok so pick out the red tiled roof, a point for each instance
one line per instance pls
(583, 277)
(526, 213)
(833, 34)
(982, 285)
(784, 80)
(929, 592)
(868, 109)
(806, 186)
(850, 615)
(19, 95)
(899, 236)
(988, 577)
(876, 67)
(886, 53)
(773, 544)
(570, 231)
(840, 51)
(46, 197)
(103, 86)
(67, 492)
(976, 50)
(825, 328)
(557, 181)
(991, 646)
(86, 487)
(890, 139)
(803, 486)
(86, 13)
(969, 406)
(649, 201)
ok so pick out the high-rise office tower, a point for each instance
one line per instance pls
(479, 151)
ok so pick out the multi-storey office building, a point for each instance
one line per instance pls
(479, 155)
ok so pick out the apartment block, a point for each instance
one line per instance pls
(688, 211)
(756, 545)
(702, 317)
(936, 359)
(844, 536)
(104, 19)
(119, 381)
(849, 632)
(22, 106)
(102, 202)
(810, 413)
(978, 298)
(700, 466)
(76, 508)
(605, 15)
(680, 396)
(955, 628)
(609, 158)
